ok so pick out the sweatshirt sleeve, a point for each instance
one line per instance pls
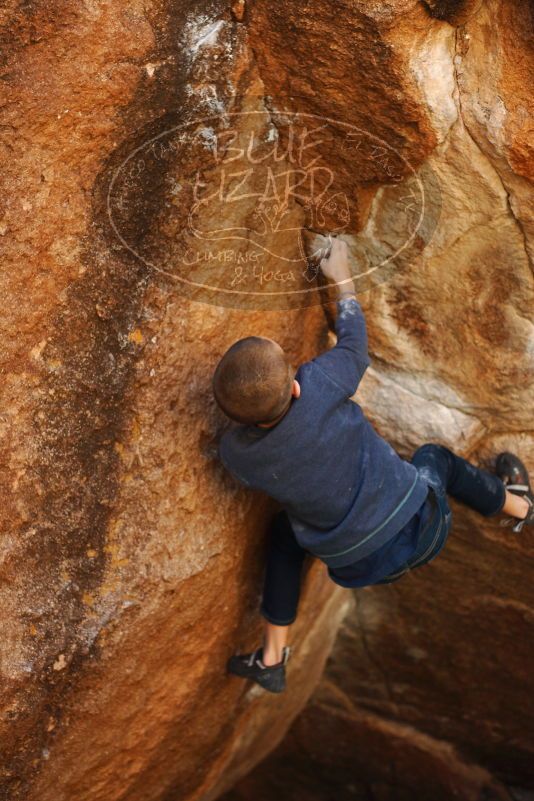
(346, 363)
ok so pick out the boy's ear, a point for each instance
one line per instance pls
(295, 392)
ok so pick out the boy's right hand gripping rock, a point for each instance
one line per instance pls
(335, 266)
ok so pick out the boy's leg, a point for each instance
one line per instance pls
(515, 505)
(274, 641)
(478, 489)
(281, 589)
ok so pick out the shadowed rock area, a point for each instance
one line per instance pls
(167, 167)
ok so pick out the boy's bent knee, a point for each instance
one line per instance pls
(436, 446)
(433, 448)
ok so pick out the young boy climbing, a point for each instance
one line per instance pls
(347, 497)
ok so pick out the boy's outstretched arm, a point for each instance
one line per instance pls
(347, 361)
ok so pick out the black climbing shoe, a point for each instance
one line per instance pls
(250, 666)
(514, 476)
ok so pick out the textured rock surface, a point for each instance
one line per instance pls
(130, 565)
(427, 693)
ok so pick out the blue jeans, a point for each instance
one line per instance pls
(442, 470)
(445, 472)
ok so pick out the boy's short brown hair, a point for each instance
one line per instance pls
(253, 381)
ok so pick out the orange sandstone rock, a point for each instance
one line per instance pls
(165, 174)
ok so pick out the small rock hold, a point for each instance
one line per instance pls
(36, 351)
(136, 337)
(238, 10)
(60, 662)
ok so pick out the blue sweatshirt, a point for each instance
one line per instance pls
(345, 489)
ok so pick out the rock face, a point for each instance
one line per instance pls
(134, 254)
(427, 692)
(130, 563)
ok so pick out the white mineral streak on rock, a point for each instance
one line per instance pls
(208, 95)
(433, 68)
(200, 32)
(209, 136)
